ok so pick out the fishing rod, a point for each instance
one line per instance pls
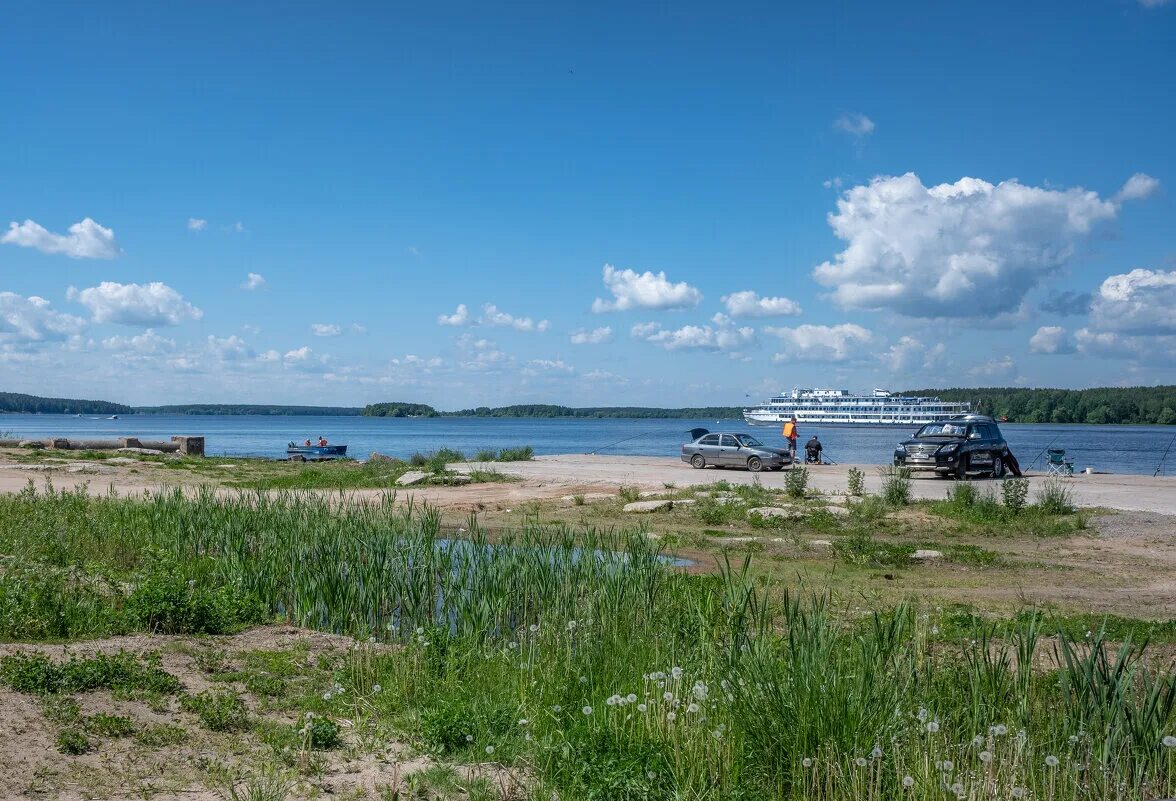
(1164, 458)
(619, 441)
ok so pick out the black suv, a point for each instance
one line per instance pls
(962, 446)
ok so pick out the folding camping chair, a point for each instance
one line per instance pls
(1057, 464)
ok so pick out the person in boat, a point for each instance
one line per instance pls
(812, 450)
(307, 443)
(322, 441)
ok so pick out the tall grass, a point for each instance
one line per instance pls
(584, 659)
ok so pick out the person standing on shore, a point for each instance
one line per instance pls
(791, 432)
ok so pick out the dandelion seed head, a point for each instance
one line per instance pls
(512, 645)
(671, 716)
(932, 727)
(631, 698)
(1073, 739)
(377, 689)
(667, 696)
(985, 757)
(649, 774)
(860, 762)
(908, 781)
(469, 738)
(948, 765)
(534, 627)
(523, 721)
(922, 715)
(807, 762)
(641, 707)
(1000, 730)
(420, 630)
(978, 740)
(1169, 741)
(327, 696)
(583, 679)
(1017, 792)
(692, 709)
(557, 709)
(958, 788)
(587, 710)
(876, 753)
(1052, 761)
(489, 749)
(676, 672)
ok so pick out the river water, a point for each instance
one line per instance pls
(1114, 449)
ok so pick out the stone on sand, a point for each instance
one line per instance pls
(644, 507)
(411, 478)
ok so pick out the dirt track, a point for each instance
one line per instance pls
(554, 476)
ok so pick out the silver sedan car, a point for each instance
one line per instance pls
(733, 450)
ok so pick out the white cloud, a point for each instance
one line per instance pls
(909, 353)
(1138, 186)
(299, 355)
(647, 290)
(231, 348)
(85, 240)
(549, 366)
(822, 343)
(1051, 339)
(325, 329)
(1151, 350)
(854, 124)
(197, 224)
(1002, 369)
(1138, 302)
(146, 343)
(253, 281)
(723, 335)
(32, 319)
(643, 330)
(419, 362)
(832, 183)
(155, 303)
(1154, 3)
(269, 356)
(968, 249)
(596, 336)
(748, 304)
(356, 328)
(492, 316)
(238, 227)
(459, 317)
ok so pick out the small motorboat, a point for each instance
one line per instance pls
(314, 453)
(112, 417)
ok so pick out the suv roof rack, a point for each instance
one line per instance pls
(983, 418)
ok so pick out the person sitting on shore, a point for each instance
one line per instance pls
(812, 450)
(322, 443)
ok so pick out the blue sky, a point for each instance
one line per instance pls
(652, 204)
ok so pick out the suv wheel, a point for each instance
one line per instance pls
(962, 468)
(755, 464)
(997, 466)
(697, 462)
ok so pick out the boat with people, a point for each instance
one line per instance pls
(841, 407)
(314, 452)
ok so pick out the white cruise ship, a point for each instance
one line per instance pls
(839, 407)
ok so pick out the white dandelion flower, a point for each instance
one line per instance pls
(667, 696)
(1169, 741)
(700, 690)
(512, 645)
(860, 762)
(583, 679)
(908, 781)
(876, 753)
(948, 765)
(1017, 792)
(922, 715)
(642, 707)
(957, 788)
(376, 689)
(1052, 761)
(1000, 730)
(671, 716)
(587, 710)
(489, 750)
(649, 774)
(932, 727)
(469, 738)
(807, 762)
(523, 721)
(978, 740)
(420, 630)
(1073, 739)
(676, 672)
(631, 698)
(557, 709)
(534, 627)
(327, 696)
(985, 757)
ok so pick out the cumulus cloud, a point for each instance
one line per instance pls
(493, 316)
(1138, 302)
(460, 317)
(722, 335)
(854, 124)
(909, 353)
(536, 366)
(197, 224)
(33, 319)
(647, 290)
(155, 303)
(748, 304)
(1152, 350)
(1138, 186)
(1051, 339)
(822, 343)
(968, 249)
(253, 281)
(85, 240)
(997, 369)
(325, 329)
(419, 362)
(1066, 303)
(596, 336)
(146, 343)
(230, 348)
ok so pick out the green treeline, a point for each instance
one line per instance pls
(1097, 406)
(251, 409)
(396, 409)
(549, 411)
(31, 404)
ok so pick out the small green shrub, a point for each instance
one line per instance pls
(821, 519)
(486, 455)
(974, 555)
(270, 686)
(578, 500)
(796, 481)
(60, 708)
(523, 454)
(708, 510)
(1014, 493)
(167, 601)
(457, 723)
(37, 674)
(160, 734)
(861, 549)
(1055, 497)
(72, 741)
(896, 485)
(629, 494)
(321, 733)
(218, 711)
(105, 725)
(856, 485)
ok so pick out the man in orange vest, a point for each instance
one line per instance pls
(791, 432)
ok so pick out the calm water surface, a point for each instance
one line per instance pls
(1115, 449)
